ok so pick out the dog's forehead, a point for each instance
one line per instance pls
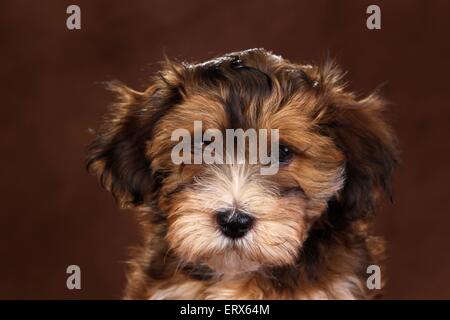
(218, 113)
(244, 90)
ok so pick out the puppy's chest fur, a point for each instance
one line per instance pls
(349, 287)
(337, 272)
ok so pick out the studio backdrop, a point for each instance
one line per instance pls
(54, 214)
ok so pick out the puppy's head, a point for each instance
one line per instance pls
(335, 152)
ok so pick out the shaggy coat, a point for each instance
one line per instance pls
(311, 236)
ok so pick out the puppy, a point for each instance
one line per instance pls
(226, 231)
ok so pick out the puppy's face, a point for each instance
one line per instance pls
(229, 216)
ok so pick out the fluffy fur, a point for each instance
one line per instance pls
(311, 238)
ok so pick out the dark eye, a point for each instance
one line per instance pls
(285, 154)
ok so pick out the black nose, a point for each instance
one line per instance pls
(234, 223)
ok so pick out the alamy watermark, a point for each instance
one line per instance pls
(74, 279)
(73, 21)
(374, 279)
(373, 22)
(208, 147)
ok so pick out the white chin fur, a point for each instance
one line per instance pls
(232, 263)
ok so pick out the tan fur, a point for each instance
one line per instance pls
(311, 238)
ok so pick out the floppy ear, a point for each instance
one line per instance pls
(371, 155)
(368, 143)
(117, 154)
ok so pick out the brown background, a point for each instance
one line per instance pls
(54, 214)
